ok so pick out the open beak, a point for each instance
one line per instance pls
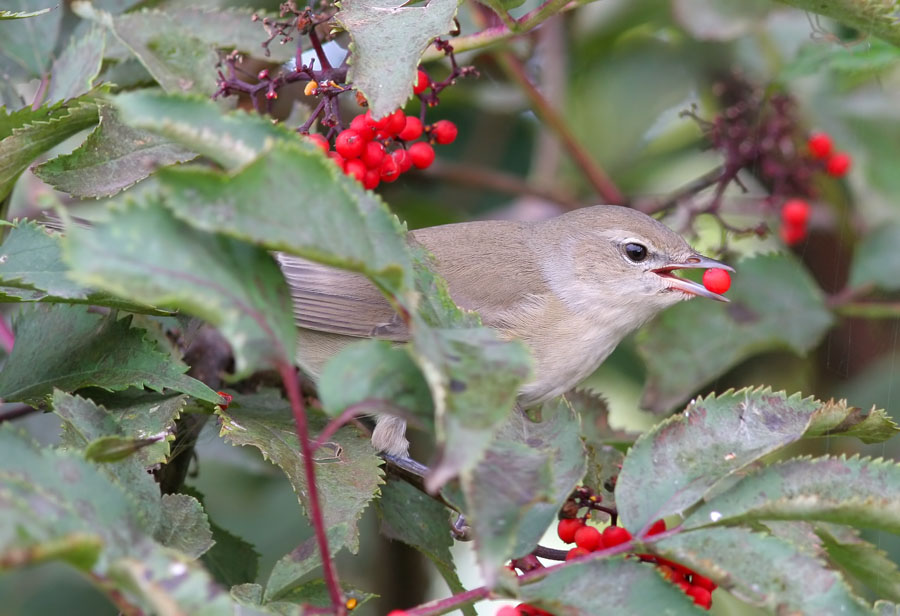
(688, 286)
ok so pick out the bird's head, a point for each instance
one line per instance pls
(616, 260)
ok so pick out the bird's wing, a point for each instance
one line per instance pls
(336, 301)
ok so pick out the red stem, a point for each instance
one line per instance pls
(289, 378)
(443, 606)
(7, 338)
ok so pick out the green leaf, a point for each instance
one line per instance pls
(607, 586)
(420, 521)
(348, 473)
(775, 304)
(184, 525)
(326, 216)
(28, 45)
(527, 473)
(872, 426)
(31, 139)
(68, 347)
(872, 17)
(171, 52)
(377, 372)
(861, 560)
(33, 270)
(288, 573)
(231, 560)
(594, 413)
(235, 286)
(315, 593)
(387, 41)
(233, 140)
(131, 414)
(790, 582)
(876, 259)
(720, 20)
(857, 491)
(111, 159)
(671, 467)
(22, 14)
(848, 63)
(116, 448)
(75, 71)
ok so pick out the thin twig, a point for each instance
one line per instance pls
(15, 411)
(690, 189)
(450, 604)
(483, 177)
(598, 178)
(289, 379)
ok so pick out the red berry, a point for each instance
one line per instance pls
(271, 95)
(320, 141)
(838, 164)
(338, 159)
(684, 585)
(403, 159)
(615, 535)
(795, 212)
(227, 398)
(372, 179)
(422, 154)
(508, 610)
(396, 122)
(389, 170)
(412, 129)
(576, 552)
(657, 527)
(396, 613)
(421, 82)
(701, 596)
(589, 538)
(356, 168)
(263, 74)
(373, 154)
(704, 582)
(792, 234)
(529, 610)
(361, 125)
(819, 145)
(444, 132)
(567, 528)
(716, 280)
(349, 144)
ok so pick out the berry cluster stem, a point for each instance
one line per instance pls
(291, 386)
(595, 174)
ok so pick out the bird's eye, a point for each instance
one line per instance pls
(636, 252)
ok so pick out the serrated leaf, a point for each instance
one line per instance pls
(527, 473)
(377, 372)
(69, 348)
(289, 572)
(388, 39)
(184, 525)
(607, 586)
(775, 304)
(112, 158)
(876, 259)
(315, 593)
(857, 491)
(874, 18)
(326, 217)
(348, 472)
(28, 44)
(595, 428)
(873, 426)
(235, 286)
(420, 521)
(74, 71)
(177, 59)
(231, 560)
(848, 63)
(790, 582)
(232, 140)
(137, 414)
(28, 141)
(861, 560)
(671, 467)
(32, 270)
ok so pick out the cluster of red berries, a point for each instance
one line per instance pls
(523, 609)
(588, 539)
(795, 212)
(375, 151)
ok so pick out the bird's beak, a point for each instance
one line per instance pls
(690, 287)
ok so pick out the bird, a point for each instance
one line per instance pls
(569, 287)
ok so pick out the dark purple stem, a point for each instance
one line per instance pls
(16, 411)
(289, 379)
(320, 53)
(7, 337)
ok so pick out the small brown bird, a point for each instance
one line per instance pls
(571, 288)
